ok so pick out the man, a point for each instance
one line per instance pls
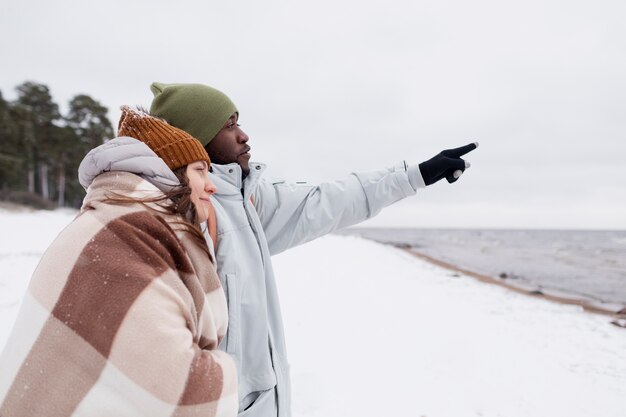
(257, 218)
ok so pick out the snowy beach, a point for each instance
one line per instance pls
(373, 331)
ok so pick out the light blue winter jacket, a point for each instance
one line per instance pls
(282, 216)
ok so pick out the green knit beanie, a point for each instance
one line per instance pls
(197, 109)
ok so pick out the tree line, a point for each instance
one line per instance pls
(40, 148)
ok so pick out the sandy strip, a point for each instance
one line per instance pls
(617, 312)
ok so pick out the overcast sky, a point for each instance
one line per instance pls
(329, 87)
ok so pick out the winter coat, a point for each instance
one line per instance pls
(279, 216)
(124, 313)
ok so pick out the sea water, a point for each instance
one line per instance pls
(583, 264)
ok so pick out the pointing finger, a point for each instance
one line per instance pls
(459, 152)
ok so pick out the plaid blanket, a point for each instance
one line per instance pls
(122, 317)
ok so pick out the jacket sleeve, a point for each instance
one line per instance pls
(292, 214)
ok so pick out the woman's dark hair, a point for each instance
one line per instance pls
(177, 202)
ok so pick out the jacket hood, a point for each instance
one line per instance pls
(127, 155)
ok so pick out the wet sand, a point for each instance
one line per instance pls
(616, 311)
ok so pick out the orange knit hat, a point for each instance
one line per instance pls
(174, 146)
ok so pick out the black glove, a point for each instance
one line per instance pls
(446, 164)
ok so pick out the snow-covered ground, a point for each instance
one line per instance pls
(373, 331)
(25, 237)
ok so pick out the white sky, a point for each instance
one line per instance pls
(329, 87)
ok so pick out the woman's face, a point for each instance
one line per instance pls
(201, 188)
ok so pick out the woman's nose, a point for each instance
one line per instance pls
(210, 187)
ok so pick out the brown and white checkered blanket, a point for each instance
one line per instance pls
(122, 317)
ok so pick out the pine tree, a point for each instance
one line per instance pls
(89, 120)
(68, 151)
(88, 127)
(36, 112)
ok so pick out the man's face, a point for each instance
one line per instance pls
(230, 145)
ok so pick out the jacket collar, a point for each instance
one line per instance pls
(227, 179)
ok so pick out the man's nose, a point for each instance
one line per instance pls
(242, 137)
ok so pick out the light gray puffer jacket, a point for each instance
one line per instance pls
(280, 216)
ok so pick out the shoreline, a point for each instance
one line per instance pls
(614, 311)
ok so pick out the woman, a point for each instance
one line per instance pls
(125, 311)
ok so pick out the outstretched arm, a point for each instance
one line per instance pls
(293, 214)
